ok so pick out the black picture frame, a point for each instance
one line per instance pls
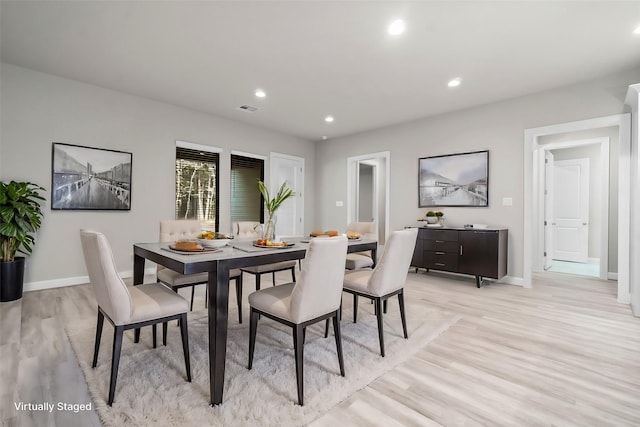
(89, 178)
(460, 179)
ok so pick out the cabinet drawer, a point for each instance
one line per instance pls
(440, 235)
(441, 260)
(441, 246)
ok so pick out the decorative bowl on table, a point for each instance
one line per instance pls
(212, 239)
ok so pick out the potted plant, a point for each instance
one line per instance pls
(272, 205)
(432, 218)
(20, 217)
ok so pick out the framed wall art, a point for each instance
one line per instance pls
(87, 178)
(454, 180)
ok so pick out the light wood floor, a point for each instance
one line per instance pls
(561, 354)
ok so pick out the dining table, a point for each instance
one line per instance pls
(239, 253)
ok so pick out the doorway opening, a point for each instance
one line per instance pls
(534, 207)
(367, 196)
(575, 194)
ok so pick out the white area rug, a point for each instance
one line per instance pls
(152, 389)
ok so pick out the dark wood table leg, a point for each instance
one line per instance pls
(374, 256)
(138, 278)
(218, 316)
(138, 269)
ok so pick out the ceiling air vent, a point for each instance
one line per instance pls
(248, 108)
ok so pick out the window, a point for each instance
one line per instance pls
(197, 182)
(246, 201)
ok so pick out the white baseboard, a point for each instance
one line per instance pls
(72, 281)
(512, 280)
(612, 276)
(593, 260)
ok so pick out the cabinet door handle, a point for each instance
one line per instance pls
(440, 264)
(460, 249)
(439, 241)
(439, 253)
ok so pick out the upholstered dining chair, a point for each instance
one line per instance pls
(357, 260)
(314, 298)
(128, 307)
(248, 230)
(386, 279)
(172, 230)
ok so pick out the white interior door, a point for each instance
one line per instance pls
(571, 210)
(289, 217)
(548, 209)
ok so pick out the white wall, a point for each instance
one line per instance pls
(498, 127)
(38, 109)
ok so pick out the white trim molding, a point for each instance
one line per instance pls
(78, 280)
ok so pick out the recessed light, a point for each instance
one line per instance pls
(637, 30)
(260, 93)
(328, 119)
(397, 27)
(454, 82)
(324, 137)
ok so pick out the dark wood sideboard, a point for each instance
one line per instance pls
(478, 252)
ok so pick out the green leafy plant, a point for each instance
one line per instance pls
(20, 216)
(431, 213)
(272, 204)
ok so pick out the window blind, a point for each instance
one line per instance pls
(246, 200)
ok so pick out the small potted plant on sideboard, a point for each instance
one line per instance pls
(20, 217)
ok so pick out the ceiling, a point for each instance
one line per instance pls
(315, 58)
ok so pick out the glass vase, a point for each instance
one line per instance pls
(269, 230)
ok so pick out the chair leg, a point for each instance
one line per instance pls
(98, 338)
(115, 361)
(402, 315)
(380, 328)
(185, 344)
(326, 328)
(355, 308)
(253, 326)
(239, 297)
(136, 335)
(154, 329)
(206, 294)
(193, 292)
(258, 281)
(293, 274)
(338, 335)
(298, 345)
(384, 307)
(273, 278)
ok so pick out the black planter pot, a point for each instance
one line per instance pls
(11, 279)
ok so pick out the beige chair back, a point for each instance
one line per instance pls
(391, 271)
(111, 292)
(246, 229)
(319, 289)
(172, 230)
(368, 230)
(176, 229)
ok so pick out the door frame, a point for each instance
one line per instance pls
(352, 173)
(532, 154)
